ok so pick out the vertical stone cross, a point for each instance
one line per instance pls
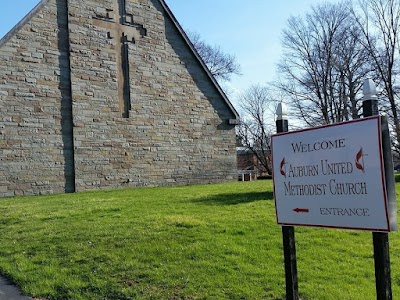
(121, 26)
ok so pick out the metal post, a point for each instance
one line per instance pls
(289, 242)
(380, 240)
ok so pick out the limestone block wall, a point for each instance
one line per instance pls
(34, 143)
(177, 130)
(63, 125)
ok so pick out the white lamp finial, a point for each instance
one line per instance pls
(369, 90)
(281, 111)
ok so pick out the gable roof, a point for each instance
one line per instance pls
(42, 3)
(204, 66)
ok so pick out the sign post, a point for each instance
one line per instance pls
(380, 239)
(289, 242)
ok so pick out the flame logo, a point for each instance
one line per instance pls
(360, 164)
(283, 162)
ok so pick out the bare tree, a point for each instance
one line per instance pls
(323, 65)
(254, 132)
(379, 22)
(353, 67)
(221, 65)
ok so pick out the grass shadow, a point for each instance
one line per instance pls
(397, 177)
(234, 199)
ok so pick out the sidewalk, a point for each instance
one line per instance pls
(9, 292)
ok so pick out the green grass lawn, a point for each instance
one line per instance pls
(194, 242)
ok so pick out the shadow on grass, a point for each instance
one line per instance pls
(234, 199)
(397, 177)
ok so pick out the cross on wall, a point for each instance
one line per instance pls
(124, 28)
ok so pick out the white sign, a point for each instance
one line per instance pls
(331, 176)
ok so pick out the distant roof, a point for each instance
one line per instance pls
(243, 150)
(246, 150)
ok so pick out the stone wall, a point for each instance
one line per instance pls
(32, 147)
(177, 130)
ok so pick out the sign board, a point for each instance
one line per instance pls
(331, 176)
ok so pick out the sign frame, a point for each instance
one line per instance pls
(295, 218)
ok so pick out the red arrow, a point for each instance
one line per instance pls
(301, 210)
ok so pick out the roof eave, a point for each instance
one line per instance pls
(23, 22)
(236, 119)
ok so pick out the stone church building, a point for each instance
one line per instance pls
(104, 94)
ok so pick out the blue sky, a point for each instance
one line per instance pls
(250, 29)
